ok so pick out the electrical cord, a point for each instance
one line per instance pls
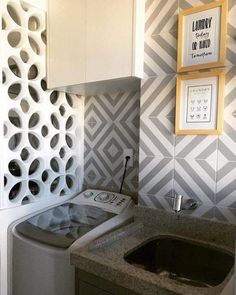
(123, 178)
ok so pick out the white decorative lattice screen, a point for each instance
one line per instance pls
(40, 147)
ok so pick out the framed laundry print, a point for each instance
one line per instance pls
(202, 35)
(199, 103)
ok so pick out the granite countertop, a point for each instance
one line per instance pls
(105, 256)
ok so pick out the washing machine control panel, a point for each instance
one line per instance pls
(104, 197)
(110, 201)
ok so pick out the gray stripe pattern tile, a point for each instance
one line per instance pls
(160, 37)
(111, 124)
(203, 167)
(161, 34)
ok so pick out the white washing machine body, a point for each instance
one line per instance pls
(42, 244)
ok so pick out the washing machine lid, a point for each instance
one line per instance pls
(62, 225)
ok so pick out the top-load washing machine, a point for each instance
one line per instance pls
(42, 243)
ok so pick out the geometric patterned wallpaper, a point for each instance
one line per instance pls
(196, 166)
(111, 125)
(40, 129)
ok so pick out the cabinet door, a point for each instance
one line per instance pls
(66, 42)
(87, 289)
(109, 42)
(89, 284)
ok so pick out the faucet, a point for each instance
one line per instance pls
(178, 204)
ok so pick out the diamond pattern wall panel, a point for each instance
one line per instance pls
(111, 125)
(161, 34)
(41, 143)
(202, 167)
(160, 37)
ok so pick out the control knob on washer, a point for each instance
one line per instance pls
(88, 194)
(104, 197)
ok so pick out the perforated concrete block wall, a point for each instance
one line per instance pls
(41, 140)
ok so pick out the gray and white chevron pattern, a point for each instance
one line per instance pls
(161, 34)
(202, 167)
(111, 125)
(160, 37)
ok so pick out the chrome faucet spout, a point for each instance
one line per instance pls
(180, 204)
(177, 204)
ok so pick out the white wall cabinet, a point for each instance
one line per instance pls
(95, 46)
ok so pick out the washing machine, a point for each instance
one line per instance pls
(42, 244)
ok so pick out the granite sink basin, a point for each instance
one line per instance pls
(188, 262)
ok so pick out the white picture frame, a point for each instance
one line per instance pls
(202, 35)
(199, 103)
